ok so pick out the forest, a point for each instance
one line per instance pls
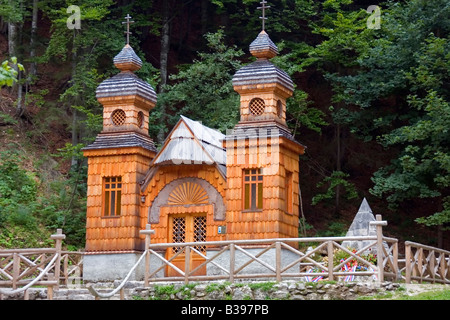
(371, 102)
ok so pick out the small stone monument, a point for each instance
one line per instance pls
(361, 227)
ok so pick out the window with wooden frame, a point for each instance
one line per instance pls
(253, 190)
(112, 196)
(288, 192)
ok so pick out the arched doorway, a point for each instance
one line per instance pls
(188, 208)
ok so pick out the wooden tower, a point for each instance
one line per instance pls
(119, 159)
(262, 156)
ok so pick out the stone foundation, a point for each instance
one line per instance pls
(285, 290)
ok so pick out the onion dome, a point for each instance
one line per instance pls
(262, 47)
(126, 83)
(262, 71)
(127, 60)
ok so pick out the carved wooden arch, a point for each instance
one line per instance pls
(184, 192)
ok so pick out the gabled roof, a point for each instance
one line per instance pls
(190, 142)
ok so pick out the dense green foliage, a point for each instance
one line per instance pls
(371, 105)
(203, 89)
(8, 73)
(23, 208)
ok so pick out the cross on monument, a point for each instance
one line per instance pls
(128, 27)
(263, 9)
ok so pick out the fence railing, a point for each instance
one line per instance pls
(71, 268)
(229, 259)
(276, 259)
(21, 269)
(299, 264)
(425, 263)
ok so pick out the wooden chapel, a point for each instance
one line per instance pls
(201, 185)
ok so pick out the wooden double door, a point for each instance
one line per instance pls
(187, 228)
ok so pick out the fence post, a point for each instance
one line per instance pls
(51, 276)
(16, 270)
(58, 237)
(398, 276)
(380, 256)
(232, 261)
(187, 262)
(330, 260)
(278, 260)
(147, 232)
(431, 262)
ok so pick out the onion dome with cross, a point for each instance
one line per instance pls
(263, 87)
(126, 101)
(126, 98)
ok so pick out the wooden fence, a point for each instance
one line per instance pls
(385, 268)
(21, 269)
(300, 265)
(231, 260)
(425, 263)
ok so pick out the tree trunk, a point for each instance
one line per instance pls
(32, 71)
(13, 32)
(74, 160)
(164, 56)
(12, 51)
(338, 167)
(165, 45)
(12, 37)
(204, 17)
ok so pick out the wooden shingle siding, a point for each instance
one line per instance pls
(119, 233)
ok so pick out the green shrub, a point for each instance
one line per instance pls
(18, 191)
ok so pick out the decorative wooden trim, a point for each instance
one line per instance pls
(161, 200)
(118, 151)
(188, 193)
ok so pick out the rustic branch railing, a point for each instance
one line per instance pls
(71, 268)
(387, 259)
(230, 260)
(425, 263)
(28, 267)
(386, 266)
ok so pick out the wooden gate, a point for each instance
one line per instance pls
(186, 228)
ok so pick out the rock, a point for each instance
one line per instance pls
(180, 295)
(312, 296)
(200, 287)
(280, 294)
(301, 286)
(242, 293)
(200, 290)
(260, 295)
(216, 295)
(292, 286)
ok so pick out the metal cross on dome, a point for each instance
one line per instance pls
(128, 27)
(263, 8)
